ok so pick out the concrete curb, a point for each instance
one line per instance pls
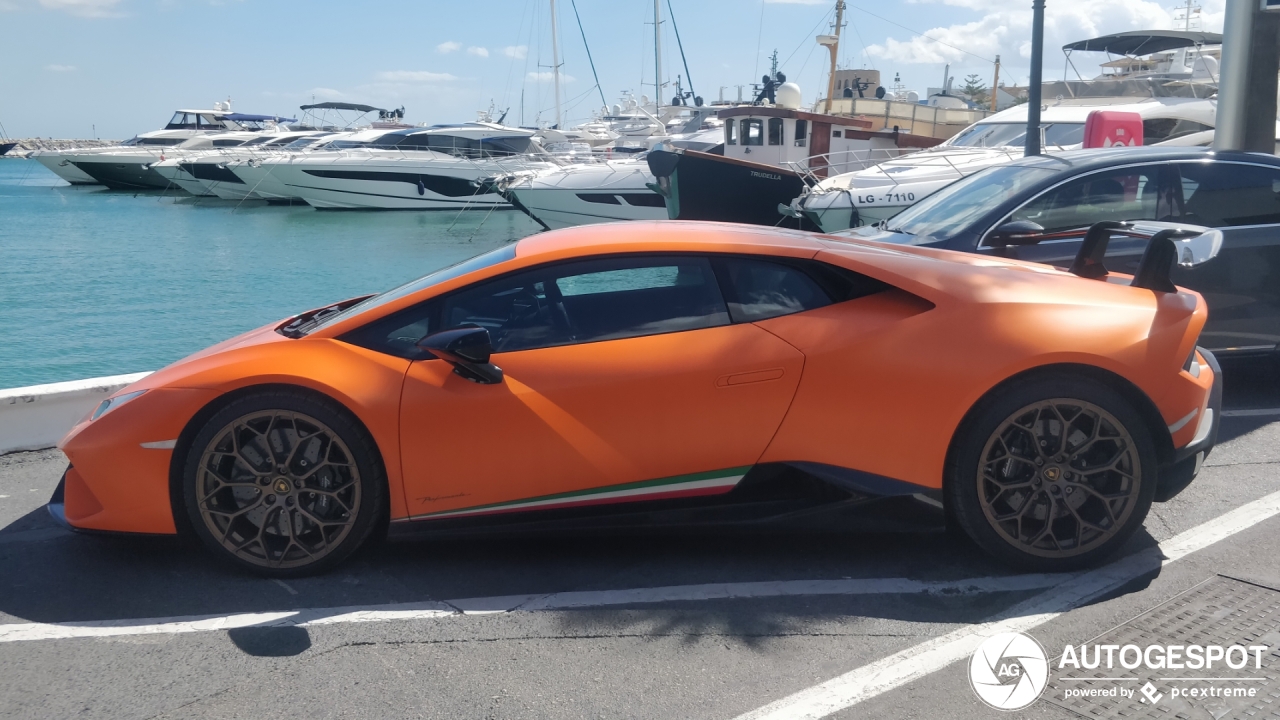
(37, 416)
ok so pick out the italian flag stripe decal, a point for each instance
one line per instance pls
(714, 482)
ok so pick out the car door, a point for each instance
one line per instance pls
(1136, 192)
(1241, 285)
(625, 380)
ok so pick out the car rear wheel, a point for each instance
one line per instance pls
(1053, 474)
(283, 484)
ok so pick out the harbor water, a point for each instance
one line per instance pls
(97, 282)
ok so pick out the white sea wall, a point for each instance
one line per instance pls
(36, 417)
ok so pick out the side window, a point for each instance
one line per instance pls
(775, 131)
(1228, 194)
(614, 298)
(518, 312)
(752, 132)
(802, 132)
(731, 133)
(760, 289)
(1125, 194)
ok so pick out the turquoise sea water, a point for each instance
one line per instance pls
(97, 282)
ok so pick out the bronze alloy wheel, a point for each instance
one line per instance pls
(278, 489)
(1059, 478)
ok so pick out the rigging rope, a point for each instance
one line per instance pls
(679, 44)
(603, 102)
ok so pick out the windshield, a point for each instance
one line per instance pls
(952, 208)
(1014, 134)
(493, 257)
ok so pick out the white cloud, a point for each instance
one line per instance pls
(413, 76)
(445, 48)
(548, 76)
(83, 8)
(518, 52)
(60, 68)
(324, 93)
(478, 51)
(1003, 27)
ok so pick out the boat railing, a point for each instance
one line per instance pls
(939, 157)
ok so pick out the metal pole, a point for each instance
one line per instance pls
(1037, 68)
(835, 49)
(995, 86)
(555, 60)
(1233, 82)
(657, 53)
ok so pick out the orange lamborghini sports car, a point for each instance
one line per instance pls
(618, 376)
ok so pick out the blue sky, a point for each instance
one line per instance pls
(120, 67)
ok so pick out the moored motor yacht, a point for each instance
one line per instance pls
(128, 166)
(184, 125)
(205, 172)
(432, 168)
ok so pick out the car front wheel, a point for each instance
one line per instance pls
(1053, 474)
(283, 484)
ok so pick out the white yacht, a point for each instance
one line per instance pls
(1165, 90)
(184, 125)
(432, 168)
(615, 189)
(203, 171)
(128, 166)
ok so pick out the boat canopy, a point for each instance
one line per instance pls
(1142, 42)
(341, 106)
(241, 117)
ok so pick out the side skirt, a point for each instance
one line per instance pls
(798, 497)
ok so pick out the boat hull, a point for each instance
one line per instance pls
(124, 175)
(59, 164)
(702, 186)
(387, 186)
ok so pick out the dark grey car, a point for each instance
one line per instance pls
(1039, 208)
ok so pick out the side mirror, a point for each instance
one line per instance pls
(467, 348)
(1016, 232)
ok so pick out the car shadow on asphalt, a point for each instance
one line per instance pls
(50, 575)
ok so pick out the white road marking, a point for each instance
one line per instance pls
(930, 656)
(1256, 412)
(23, 632)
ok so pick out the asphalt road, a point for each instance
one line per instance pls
(558, 628)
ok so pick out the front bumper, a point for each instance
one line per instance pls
(1177, 475)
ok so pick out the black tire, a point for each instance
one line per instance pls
(284, 454)
(1098, 481)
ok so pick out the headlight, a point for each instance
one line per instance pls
(110, 404)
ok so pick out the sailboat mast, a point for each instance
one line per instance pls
(555, 60)
(657, 53)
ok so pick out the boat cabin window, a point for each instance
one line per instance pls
(1159, 129)
(1013, 134)
(775, 131)
(506, 146)
(230, 143)
(194, 121)
(731, 133)
(752, 131)
(160, 141)
(802, 132)
(835, 133)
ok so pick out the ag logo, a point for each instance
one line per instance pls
(1009, 671)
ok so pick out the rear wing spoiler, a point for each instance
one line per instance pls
(1187, 245)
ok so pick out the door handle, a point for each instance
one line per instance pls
(747, 378)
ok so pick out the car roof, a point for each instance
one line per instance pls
(1076, 160)
(667, 236)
